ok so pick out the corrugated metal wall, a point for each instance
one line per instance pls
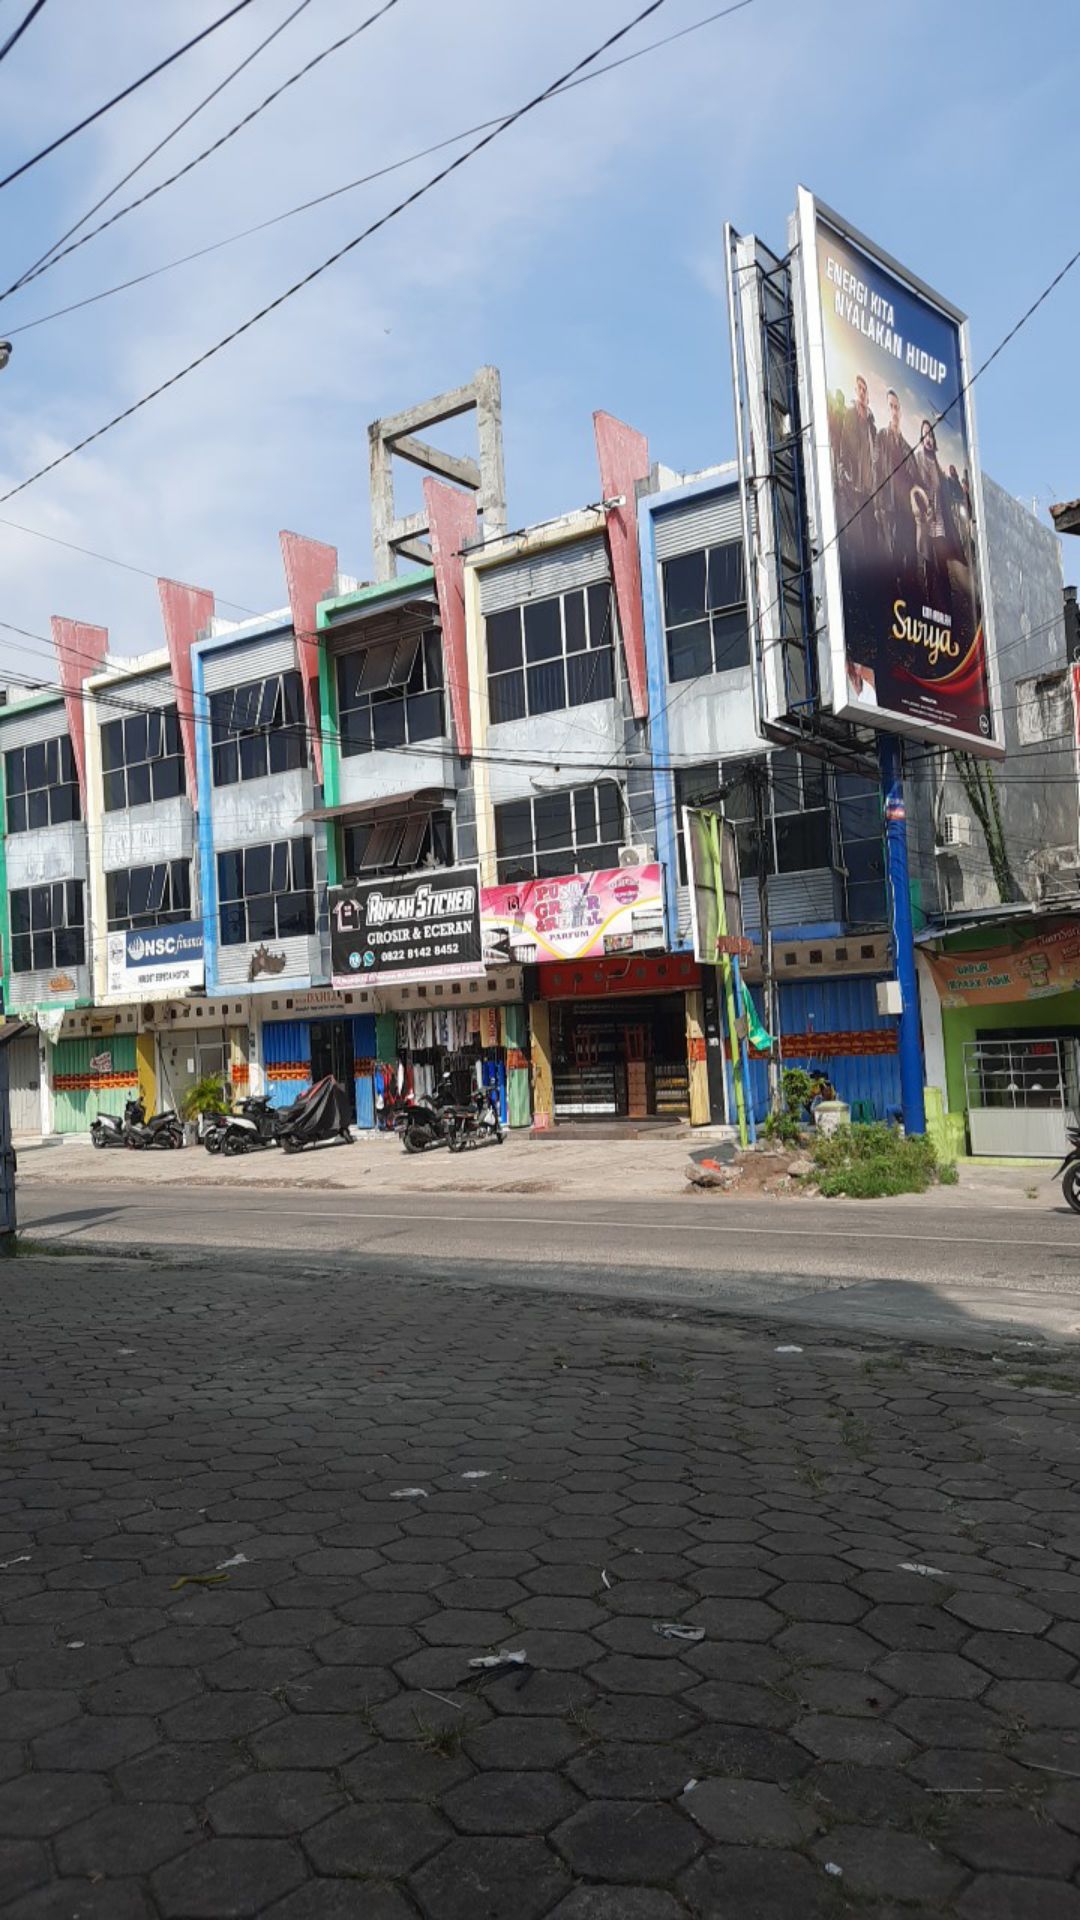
(79, 1093)
(365, 1048)
(286, 1060)
(834, 1024)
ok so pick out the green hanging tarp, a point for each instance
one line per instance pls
(760, 1040)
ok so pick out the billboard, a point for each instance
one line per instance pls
(576, 916)
(715, 900)
(895, 492)
(1040, 968)
(158, 960)
(407, 927)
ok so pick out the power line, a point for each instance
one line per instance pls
(350, 186)
(99, 112)
(189, 166)
(332, 260)
(21, 28)
(90, 553)
(164, 141)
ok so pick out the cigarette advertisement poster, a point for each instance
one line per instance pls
(898, 494)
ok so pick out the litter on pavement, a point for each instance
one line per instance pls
(198, 1580)
(831, 1867)
(671, 1630)
(504, 1659)
(410, 1493)
(238, 1560)
(478, 1473)
(787, 1349)
(604, 1577)
(917, 1566)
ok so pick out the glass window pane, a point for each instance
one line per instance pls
(233, 921)
(37, 808)
(726, 586)
(266, 712)
(574, 621)
(134, 738)
(279, 866)
(245, 706)
(504, 640)
(139, 883)
(180, 886)
(20, 911)
(256, 871)
(376, 666)
(356, 730)
(138, 781)
(388, 721)
(813, 782)
(301, 861)
(442, 839)
(589, 676)
(16, 813)
(414, 834)
(68, 947)
(42, 948)
(116, 894)
(63, 803)
(115, 790)
(21, 953)
(52, 762)
(168, 779)
(261, 917)
(433, 658)
(252, 756)
(15, 771)
(786, 791)
(40, 908)
(285, 750)
(731, 641)
(171, 720)
(294, 915)
(405, 657)
(684, 588)
(551, 813)
(546, 687)
(543, 630)
(513, 827)
(601, 622)
(585, 815)
(155, 734)
(58, 917)
(292, 697)
(609, 803)
(159, 876)
(112, 745)
(425, 716)
(802, 841)
(230, 868)
(690, 651)
(226, 766)
(35, 765)
(507, 694)
(348, 673)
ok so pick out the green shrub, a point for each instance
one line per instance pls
(204, 1097)
(874, 1163)
(797, 1086)
(783, 1127)
(947, 1173)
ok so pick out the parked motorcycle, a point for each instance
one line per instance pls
(112, 1129)
(163, 1129)
(254, 1123)
(429, 1123)
(322, 1113)
(1070, 1170)
(477, 1125)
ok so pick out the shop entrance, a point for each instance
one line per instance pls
(621, 1059)
(332, 1052)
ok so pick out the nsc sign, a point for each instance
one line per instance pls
(156, 960)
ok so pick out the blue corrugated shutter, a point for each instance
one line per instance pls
(286, 1060)
(365, 1048)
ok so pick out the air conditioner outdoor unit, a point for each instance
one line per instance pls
(635, 856)
(955, 830)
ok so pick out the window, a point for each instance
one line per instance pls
(694, 787)
(551, 654)
(395, 845)
(391, 693)
(572, 831)
(148, 896)
(141, 759)
(798, 826)
(41, 785)
(858, 809)
(47, 927)
(265, 893)
(257, 728)
(705, 612)
(1043, 709)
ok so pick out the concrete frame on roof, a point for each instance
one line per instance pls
(395, 436)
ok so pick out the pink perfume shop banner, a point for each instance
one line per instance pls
(577, 916)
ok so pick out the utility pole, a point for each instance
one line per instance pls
(903, 932)
(8, 1222)
(759, 780)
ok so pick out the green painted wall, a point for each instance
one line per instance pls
(960, 1024)
(331, 747)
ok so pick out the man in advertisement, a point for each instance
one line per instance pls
(912, 622)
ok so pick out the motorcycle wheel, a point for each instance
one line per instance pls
(1070, 1186)
(290, 1146)
(97, 1137)
(174, 1137)
(456, 1141)
(132, 1144)
(212, 1142)
(415, 1139)
(234, 1143)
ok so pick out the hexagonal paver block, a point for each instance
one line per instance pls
(1004, 1897)
(63, 1899)
(842, 1737)
(485, 1876)
(180, 1774)
(28, 1711)
(274, 1803)
(1012, 1841)
(609, 1840)
(380, 1839)
(885, 1864)
(126, 1840)
(510, 1803)
(628, 1772)
(767, 1883)
(618, 1903)
(227, 1879)
(93, 1744)
(1017, 1656)
(310, 1740)
(37, 1804)
(397, 1770)
(998, 1612)
(342, 1900)
(944, 1676)
(749, 1813)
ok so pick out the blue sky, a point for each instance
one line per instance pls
(582, 254)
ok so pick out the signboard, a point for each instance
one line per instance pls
(717, 922)
(576, 916)
(101, 1063)
(1034, 969)
(417, 926)
(894, 478)
(160, 960)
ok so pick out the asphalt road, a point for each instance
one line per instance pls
(914, 1268)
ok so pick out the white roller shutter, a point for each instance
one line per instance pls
(582, 563)
(709, 522)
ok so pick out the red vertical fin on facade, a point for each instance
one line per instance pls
(80, 651)
(452, 525)
(310, 575)
(187, 613)
(624, 459)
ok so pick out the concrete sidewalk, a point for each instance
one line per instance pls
(800, 1620)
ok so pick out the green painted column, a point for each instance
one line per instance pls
(331, 745)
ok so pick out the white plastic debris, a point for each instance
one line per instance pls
(918, 1566)
(671, 1630)
(604, 1577)
(410, 1493)
(831, 1867)
(788, 1349)
(76, 1643)
(478, 1473)
(125, 1350)
(238, 1560)
(690, 1785)
(17, 1562)
(504, 1659)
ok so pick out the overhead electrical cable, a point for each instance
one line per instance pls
(125, 94)
(21, 28)
(165, 139)
(340, 253)
(62, 252)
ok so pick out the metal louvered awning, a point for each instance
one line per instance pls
(418, 799)
(408, 618)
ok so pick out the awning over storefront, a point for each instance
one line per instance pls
(419, 799)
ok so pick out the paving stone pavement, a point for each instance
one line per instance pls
(254, 1526)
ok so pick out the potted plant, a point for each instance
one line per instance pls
(205, 1096)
